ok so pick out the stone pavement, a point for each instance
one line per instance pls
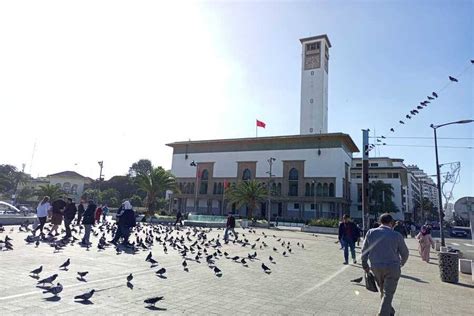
(309, 281)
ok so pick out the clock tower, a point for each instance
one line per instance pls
(314, 85)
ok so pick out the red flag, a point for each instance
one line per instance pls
(260, 124)
(226, 184)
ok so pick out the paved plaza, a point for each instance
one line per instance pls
(307, 281)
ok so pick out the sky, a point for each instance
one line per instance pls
(83, 81)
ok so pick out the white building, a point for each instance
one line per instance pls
(70, 182)
(388, 170)
(429, 189)
(310, 174)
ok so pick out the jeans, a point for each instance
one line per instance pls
(226, 234)
(42, 221)
(67, 225)
(387, 280)
(87, 233)
(348, 244)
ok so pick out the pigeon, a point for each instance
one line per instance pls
(270, 258)
(148, 257)
(130, 285)
(434, 94)
(185, 264)
(392, 130)
(419, 107)
(153, 300)
(217, 270)
(65, 264)
(358, 280)
(161, 271)
(85, 297)
(408, 117)
(37, 243)
(55, 290)
(37, 271)
(472, 61)
(453, 79)
(48, 279)
(430, 98)
(265, 268)
(82, 274)
(401, 122)
(153, 262)
(129, 277)
(243, 261)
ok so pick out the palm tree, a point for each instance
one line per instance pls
(155, 184)
(54, 192)
(247, 193)
(381, 196)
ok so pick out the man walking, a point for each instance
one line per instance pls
(348, 235)
(179, 218)
(88, 220)
(80, 212)
(69, 214)
(230, 225)
(387, 252)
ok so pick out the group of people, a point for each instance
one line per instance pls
(59, 210)
(384, 246)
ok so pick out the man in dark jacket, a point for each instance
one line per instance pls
(125, 221)
(230, 225)
(179, 218)
(349, 234)
(69, 214)
(88, 220)
(80, 212)
(400, 228)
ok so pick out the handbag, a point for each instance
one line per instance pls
(370, 283)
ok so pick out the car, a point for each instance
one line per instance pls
(7, 208)
(458, 231)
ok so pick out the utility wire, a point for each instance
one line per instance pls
(418, 137)
(426, 146)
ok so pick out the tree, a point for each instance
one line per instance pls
(25, 194)
(125, 185)
(10, 177)
(141, 167)
(381, 198)
(248, 193)
(155, 184)
(136, 200)
(110, 197)
(91, 194)
(54, 192)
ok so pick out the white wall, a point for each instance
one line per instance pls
(329, 164)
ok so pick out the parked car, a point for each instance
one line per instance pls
(458, 231)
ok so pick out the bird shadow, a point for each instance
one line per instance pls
(36, 277)
(52, 299)
(186, 269)
(154, 308)
(219, 275)
(268, 272)
(130, 285)
(81, 279)
(43, 287)
(413, 278)
(85, 302)
(162, 276)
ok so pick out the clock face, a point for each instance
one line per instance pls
(312, 62)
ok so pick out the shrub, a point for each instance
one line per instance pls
(324, 222)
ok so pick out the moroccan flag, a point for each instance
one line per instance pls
(260, 124)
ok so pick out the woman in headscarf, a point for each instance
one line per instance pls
(425, 242)
(125, 221)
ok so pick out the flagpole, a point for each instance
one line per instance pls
(256, 130)
(223, 199)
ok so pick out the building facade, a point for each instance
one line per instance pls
(428, 187)
(310, 174)
(70, 182)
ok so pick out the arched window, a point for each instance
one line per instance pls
(214, 190)
(325, 190)
(59, 185)
(274, 188)
(204, 182)
(192, 188)
(66, 187)
(319, 190)
(246, 175)
(312, 189)
(220, 188)
(293, 182)
(74, 189)
(279, 189)
(331, 189)
(307, 189)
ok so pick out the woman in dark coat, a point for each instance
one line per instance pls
(88, 219)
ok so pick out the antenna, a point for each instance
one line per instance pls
(32, 156)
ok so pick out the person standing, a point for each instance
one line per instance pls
(179, 218)
(425, 241)
(349, 234)
(387, 252)
(88, 220)
(412, 230)
(98, 214)
(80, 212)
(105, 212)
(400, 228)
(126, 222)
(57, 217)
(42, 214)
(69, 215)
(230, 225)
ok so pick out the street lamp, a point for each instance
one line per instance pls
(270, 163)
(194, 164)
(313, 192)
(438, 175)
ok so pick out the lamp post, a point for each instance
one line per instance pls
(270, 163)
(101, 164)
(438, 175)
(194, 164)
(313, 192)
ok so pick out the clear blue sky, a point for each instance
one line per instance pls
(116, 80)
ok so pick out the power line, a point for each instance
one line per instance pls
(426, 146)
(418, 137)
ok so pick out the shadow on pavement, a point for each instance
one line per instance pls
(154, 308)
(86, 302)
(413, 278)
(52, 299)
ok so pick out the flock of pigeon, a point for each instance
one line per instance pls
(380, 140)
(193, 244)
